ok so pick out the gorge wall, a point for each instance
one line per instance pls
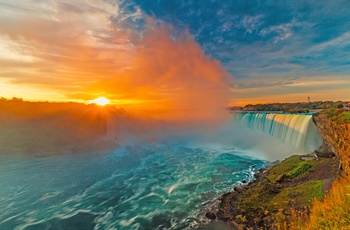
(297, 194)
(336, 138)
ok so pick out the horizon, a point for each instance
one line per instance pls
(164, 55)
(91, 102)
(185, 114)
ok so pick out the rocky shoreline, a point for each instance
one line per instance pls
(255, 205)
(278, 190)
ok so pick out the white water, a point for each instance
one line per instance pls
(159, 185)
(297, 131)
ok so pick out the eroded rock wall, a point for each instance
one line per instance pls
(336, 138)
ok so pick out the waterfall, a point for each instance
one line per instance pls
(267, 135)
(296, 130)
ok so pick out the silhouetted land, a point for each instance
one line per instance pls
(45, 128)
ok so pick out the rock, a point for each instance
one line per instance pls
(261, 223)
(276, 162)
(280, 178)
(244, 181)
(238, 189)
(325, 155)
(275, 189)
(210, 215)
(235, 225)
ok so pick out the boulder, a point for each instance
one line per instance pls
(238, 189)
(210, 215)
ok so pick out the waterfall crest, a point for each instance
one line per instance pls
(296, 130)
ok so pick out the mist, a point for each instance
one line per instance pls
(149, 70)
(171, 79)
(162, 82)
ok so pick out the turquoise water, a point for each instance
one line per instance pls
(153, 186)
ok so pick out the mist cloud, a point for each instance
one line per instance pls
(91, 49)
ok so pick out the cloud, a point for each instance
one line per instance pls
(68, 45)
(173, 76)
(281, 90)
(72, 46)
(89, 49)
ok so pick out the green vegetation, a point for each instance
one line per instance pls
(338, 115)
(287, 166)
(342, 117)
(299, 107)
(302, 168)
(296, 194)
(290, 186)
(288, 173)
(300, 195)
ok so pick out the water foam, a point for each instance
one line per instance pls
(162, 186)
(297, 131)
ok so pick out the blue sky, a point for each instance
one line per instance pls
(274, 51)
(298, 37)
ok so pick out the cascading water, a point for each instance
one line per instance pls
(296, 130)
(166, 183)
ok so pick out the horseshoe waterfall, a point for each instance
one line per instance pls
(166, 182)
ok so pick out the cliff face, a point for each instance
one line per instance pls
(291, 187)
(336, 138)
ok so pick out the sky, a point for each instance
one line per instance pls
(156, 54)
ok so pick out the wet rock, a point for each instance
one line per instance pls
(210, 215)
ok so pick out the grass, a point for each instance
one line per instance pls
(300, 195)
(343, 117)
(291, 167)
(338, 116)
(330, 213)
(284, 167)
(333, 211)
(273, 194)
(300, 169)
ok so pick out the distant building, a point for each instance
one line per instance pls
(346, 107)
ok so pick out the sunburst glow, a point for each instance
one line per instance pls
(101, 101)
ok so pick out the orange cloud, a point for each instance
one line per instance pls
(170, 75)
(85, 51)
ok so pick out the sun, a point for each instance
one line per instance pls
(101, 101)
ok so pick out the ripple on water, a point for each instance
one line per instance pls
(168, 186)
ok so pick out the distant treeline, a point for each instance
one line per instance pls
(299, 107)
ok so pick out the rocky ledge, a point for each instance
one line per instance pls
(277, 191)
(282, 189)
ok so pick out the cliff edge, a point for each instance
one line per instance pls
(336, 138)
(298, 192)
